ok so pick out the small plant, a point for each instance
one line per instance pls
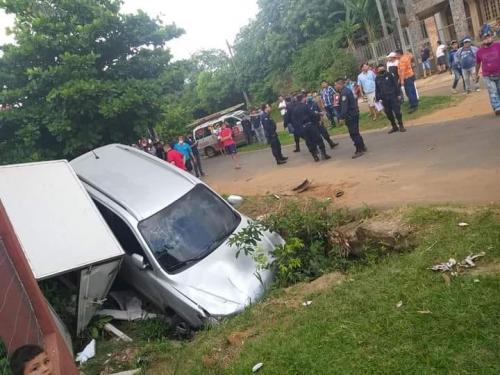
(155, 329)
(96, 325)
(248, 238)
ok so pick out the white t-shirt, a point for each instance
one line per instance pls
(440, 50)
(282, 107)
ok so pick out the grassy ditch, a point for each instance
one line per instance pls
(384, 312)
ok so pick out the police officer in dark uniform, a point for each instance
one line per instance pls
(313, 106)
(271, 134)
(349, 111)
(303, 118)
(387, 91)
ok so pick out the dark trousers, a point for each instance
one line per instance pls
(313, 139)
(248, 135)
(330, 113)
(392, 107)
(275, 143)
(458, 74)
(197, 165)
(411, 92)
(352, 123)
(324, 134)
(296, 138)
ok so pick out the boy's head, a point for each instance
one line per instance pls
(30, 360)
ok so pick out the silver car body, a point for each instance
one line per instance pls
(135, 186)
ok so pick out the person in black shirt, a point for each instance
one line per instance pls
(247, 129)
(159, 152)
(387, 91)
(303, 118)
(271, 134)
(196, 153)
(349, 111)
(313, 106)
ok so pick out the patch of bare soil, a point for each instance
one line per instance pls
(487, 269)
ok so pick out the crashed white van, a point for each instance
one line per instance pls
(174, 230)
(61, 231)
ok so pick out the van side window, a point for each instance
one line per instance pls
(122, 232)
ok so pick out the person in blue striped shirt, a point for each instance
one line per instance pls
(327, 93)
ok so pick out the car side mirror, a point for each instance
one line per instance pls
(138, 261)
(235, 200)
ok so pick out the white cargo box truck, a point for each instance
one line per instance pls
(61, 231)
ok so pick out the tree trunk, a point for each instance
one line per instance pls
(382, 17)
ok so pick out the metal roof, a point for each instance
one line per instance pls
(141, 183)
(57, 224)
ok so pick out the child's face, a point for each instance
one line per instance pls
(40, 365)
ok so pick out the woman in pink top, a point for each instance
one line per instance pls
(226, 137)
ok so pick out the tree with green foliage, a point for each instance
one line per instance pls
(81, 75)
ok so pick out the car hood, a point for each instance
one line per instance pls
(222, 284)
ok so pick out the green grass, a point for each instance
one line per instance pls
(355, 327)
(428, 104)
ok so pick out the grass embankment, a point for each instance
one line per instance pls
(353, 326)
(428, 104)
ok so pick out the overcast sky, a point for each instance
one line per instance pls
(208, 23)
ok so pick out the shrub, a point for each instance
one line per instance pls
(307, 253)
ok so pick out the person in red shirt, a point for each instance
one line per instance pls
(174, 157)
(226, 137)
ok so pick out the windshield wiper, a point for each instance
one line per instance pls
(202, 255)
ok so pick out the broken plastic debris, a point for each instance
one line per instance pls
(257, 367)
(453, 266)
(87, 353)
(276, 196)
(303, 186)
(307, 303)
(443, 267)
(424, 312)
(399, 304)
(463, 224)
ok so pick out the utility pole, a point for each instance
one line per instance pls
(397, 21)
(236, 72)
(382, 18)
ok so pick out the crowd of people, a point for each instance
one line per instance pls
(384, 88)
(464, 60)
(183, 152)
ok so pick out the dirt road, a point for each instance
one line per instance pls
(455, 161)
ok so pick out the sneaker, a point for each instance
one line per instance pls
(284, 158)
(279, 162)
(478, 90)
(316, 158)
(296, 150)
(402, 129)
(333, 145)
(325, 156)
(358, 154)
(497, 112)
(393, 130)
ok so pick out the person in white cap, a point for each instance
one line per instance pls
(466, 57)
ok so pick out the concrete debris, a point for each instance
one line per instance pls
(115, 331)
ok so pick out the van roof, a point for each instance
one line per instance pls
(141, 183)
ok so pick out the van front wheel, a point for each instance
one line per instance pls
(210, 152)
